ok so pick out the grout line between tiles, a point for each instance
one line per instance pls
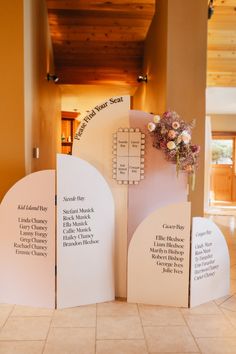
(230, 296)
(194, 338)
(144, 336)
(7, 318)
(49, 327)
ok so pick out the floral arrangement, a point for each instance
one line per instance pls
(172, 135)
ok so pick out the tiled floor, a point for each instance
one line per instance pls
(121, 328)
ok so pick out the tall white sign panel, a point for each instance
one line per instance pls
(210, 268)
(27, 239)
(158, 258)
(93, 143)
(85, 234)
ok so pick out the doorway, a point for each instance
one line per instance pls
(222, 168)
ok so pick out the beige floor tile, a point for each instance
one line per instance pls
(83, 316)
(217, 345)
(210, 326)
(24, 311)
(169, 339)
(231, 316)
(221, 300)
(117, 308)
(70, 341)
(5, 311)
(136, 346)
(229, 304)
(114, 327)
(25, 328)
(209, 308)
(21, 347)
(160, 316)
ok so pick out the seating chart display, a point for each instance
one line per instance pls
(128, 152)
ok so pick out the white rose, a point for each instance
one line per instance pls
(156, 119)
(171, 145)
(151, 126)
(185, 137)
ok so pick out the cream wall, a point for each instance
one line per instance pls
(221, 100)
(42, 98)
(175, 61)
(80, 98)
(223, 122)
(12, 160)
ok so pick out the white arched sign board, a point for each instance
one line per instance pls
(93, 143)
(158, 258)
(160, 187)
(210, 268)
(85, 234)
(27, 238)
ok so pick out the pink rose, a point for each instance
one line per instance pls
(171, 134)
(171, 145)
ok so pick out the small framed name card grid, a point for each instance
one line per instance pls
(128, 156)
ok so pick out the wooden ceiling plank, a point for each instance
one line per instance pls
(224, 3)
(102, 45)
(97, 5)
(117, 48)
(102, 55)
(106, 70)
(95, 35)
(223, 65)
(221, 79)
(222, 47)
(223, 25)
(84, 18)
(223, 11)
(222, 54)
(221, 40)
(100, 61)
(93, 29)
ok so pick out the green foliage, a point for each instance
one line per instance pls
(221, 151)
